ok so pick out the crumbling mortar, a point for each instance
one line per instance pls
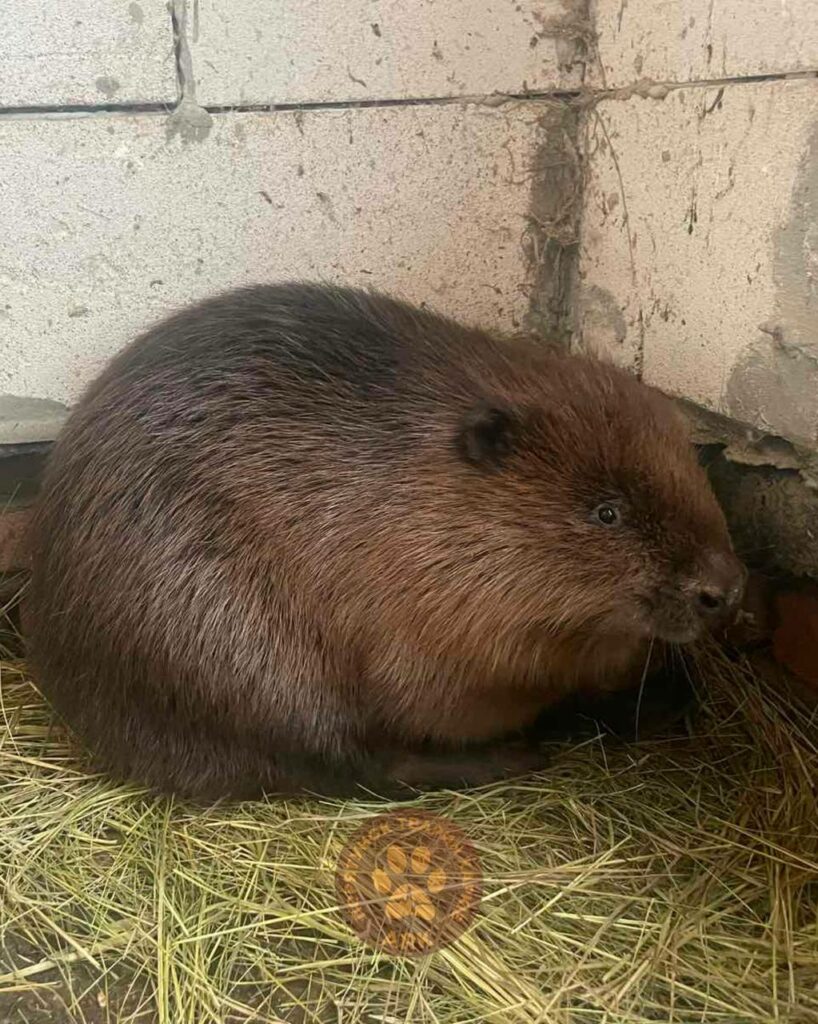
(191, 122)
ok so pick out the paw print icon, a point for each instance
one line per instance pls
(408, 882)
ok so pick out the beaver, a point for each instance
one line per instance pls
(301, 538)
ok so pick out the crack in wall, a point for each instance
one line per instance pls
(479, 99)
(582, 97)
(650, 88)
(551, 236)
(182, 57)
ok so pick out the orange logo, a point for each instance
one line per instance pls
(409, 882)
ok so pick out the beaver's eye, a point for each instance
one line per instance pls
(607, 515)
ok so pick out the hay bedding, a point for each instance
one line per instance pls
(670, 881)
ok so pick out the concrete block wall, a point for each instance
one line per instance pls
(697, 264)
(151, 154)
(698, 257)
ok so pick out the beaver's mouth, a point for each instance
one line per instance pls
(675, 620)
(663, 620)
(678, 633)
(669, 617)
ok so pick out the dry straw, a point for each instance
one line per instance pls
(671, 881)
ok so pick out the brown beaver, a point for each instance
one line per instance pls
(310, 538)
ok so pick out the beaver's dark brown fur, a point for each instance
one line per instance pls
(298, 537)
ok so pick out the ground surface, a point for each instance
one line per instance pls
(673, 880)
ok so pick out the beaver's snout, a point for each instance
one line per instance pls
(703, 599)
(718, 589)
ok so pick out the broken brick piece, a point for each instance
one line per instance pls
(795, 640)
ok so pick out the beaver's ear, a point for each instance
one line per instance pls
(488, 434)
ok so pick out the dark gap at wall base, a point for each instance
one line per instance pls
(20, 468)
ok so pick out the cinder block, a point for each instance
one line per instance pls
(86, 52)
(118, 220)
(699, 253)
(277, 51)
(702, 40)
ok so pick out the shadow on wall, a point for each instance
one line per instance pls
(777, 380)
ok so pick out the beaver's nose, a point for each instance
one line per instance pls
(720, 587)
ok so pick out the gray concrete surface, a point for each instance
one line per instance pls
(698, 264)
(85, 52)
(245, 51)
(701, 40)
(118, 220)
